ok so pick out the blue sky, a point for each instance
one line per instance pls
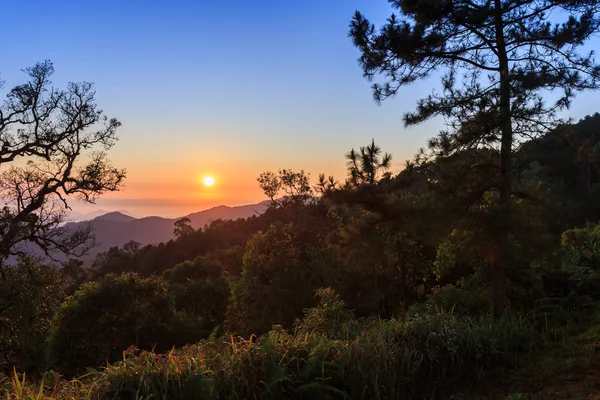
(227, 88)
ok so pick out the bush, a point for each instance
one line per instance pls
(419, 358)
(422, 357)
(461, 301)
(581, 259)
(30, 295)
(205, 300)
(329, 317)
(282, 268)
(200, 268)
(104, 318)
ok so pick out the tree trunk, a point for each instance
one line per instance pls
(501, 261)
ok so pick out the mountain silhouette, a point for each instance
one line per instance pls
(74, 216)
(116, 216)
(117, 228)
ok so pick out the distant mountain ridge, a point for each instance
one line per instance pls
(117, 228)
(116, 216)
(75, 216)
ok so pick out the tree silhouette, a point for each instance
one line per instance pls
(183, 227)
(327, 185)
(46, 135)
(366, 166)
(286, 187)
(500, 57)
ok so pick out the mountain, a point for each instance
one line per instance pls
(75, 216)
(117, 228)
(115, 216)
(199, 219)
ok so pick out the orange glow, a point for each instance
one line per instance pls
(175, 187)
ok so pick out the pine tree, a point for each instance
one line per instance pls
(501, 59)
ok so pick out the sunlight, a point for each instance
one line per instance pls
(208, 181)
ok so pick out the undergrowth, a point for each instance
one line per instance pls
(425, 356)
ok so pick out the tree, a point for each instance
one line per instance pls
(117, 260)
(183, 227)
(53, 147)
(364, 168)
(282, 268)
(105, 317)
(30, 296)
(509, 53)
(286, 187)
(199, 288)
(74, 274)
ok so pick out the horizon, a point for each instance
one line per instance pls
(98, 212)
(199, 99)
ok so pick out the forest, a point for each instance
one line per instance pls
(430, 283)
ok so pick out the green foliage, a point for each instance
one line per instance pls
(328, 317)
(382, 266)
(499, 60)
(199, 289)
(581, 259)
(104, 318)
(419, 358)
(222, 239)
(117, 260)
(30, 294)
(282, 268)
(200, 268)
(461, 300)
(205, 300)
(456, 251)
(484, 72)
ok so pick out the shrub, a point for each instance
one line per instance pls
(418, 358)
(104, 318)
(462, 301)
(200, 268)
(581, 259)
(329, 317)
(206, 300)
(30, 294)
(282, 268)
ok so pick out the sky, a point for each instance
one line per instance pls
(227, 89)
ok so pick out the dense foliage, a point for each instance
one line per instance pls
(386, 285)
(30, 295)
(103, 318)
(329, 356)
(409, 249)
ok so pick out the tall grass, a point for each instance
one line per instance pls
(422, 357)
(16, 387)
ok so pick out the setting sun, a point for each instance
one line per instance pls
(209, 181)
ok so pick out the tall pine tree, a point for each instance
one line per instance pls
(502, 60)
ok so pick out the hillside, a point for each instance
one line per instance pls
(74, 216)
(116, 229)
(198, 219)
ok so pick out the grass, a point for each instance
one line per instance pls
(427, 357)
(421, 357)
(567, 370)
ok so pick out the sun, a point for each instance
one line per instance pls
(209, 181)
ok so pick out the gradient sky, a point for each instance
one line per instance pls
(222, 88)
